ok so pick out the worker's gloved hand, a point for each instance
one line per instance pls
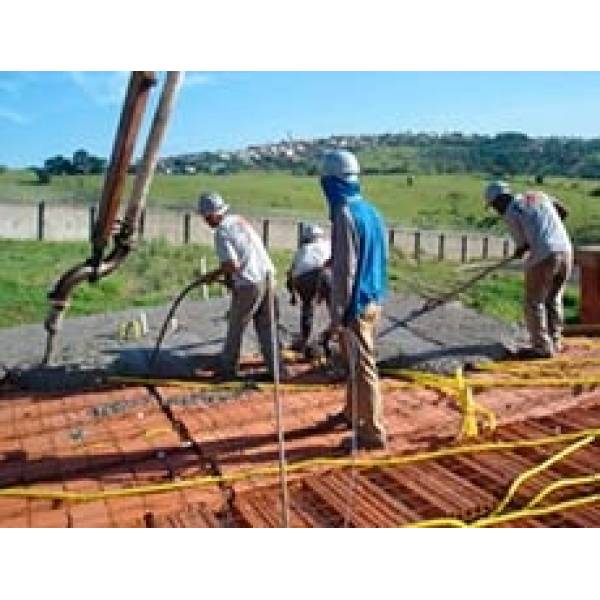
(520, 251)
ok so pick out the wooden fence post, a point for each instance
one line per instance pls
(417, 245)
(464, 250)
(441, 246)
(41, 221)
(391, 237)
(265, 233)
(92, 221)
(187, 225)
(142, 228)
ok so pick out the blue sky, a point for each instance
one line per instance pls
(46, 113)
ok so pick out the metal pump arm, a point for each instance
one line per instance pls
(98, 266)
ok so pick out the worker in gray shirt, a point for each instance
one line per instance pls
(535, 221)
(245, 264)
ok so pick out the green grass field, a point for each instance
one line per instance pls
(434, 201)
(156, 272)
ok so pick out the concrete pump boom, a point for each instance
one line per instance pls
(98, 266)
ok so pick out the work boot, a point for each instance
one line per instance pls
(336, 420)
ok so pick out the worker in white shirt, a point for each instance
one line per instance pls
(535, 221)
(310, 277)
(244, 262)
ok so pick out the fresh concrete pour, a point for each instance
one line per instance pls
(90, 348)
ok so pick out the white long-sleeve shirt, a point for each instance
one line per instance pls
(311, 256)
(533, 220)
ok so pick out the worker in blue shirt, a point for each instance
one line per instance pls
(359, 257)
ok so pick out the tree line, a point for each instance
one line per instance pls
(81, 163)
(504, 154)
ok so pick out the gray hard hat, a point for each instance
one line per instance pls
(495, 189)
(341, 164)
(211, 203)
(311, 232)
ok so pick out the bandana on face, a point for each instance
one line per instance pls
(339, 191)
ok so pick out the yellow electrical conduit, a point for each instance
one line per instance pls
(306, 465)
(512, 490)
(561, 484)
(444, 384)
(535, 365)
(447, 384)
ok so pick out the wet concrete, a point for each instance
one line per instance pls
(89, 348)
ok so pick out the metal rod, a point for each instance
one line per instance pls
(285, 508)
(352, 349)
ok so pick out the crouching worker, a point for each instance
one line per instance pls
(310, 278)
(535, 221)
(245, 264)
(359, 282)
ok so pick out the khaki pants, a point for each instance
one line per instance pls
(249, 302)
(359, 339)
(544, 286)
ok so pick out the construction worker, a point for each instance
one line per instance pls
(310, 277)
(535, 221)
(245, 264)
(359, 281)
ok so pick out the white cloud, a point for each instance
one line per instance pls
(102, 88)
(193, 79)
(13, 116)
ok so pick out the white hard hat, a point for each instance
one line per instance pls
(495, 189)
(341, 164)
(311, 232)
(211, 203)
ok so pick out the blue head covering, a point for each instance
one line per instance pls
(339, 191)
(370, 283)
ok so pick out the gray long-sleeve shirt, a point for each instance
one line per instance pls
(344, 252)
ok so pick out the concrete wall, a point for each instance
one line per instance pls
(63, 222)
